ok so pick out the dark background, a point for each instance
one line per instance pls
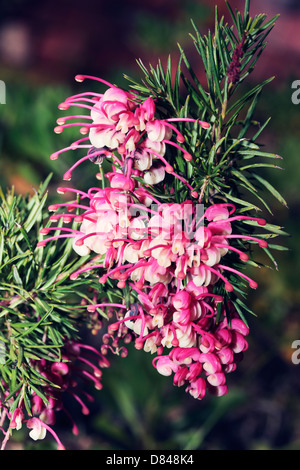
(43, 44)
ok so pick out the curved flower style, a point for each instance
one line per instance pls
(124, 128)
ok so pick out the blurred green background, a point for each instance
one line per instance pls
(42, 46)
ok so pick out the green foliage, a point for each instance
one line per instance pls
(221, 166)
(39, 306)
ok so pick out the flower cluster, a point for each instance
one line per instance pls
(150, 243)
(79, 363)
(121, 123)
(170, 257)
(169, 260)
(201, 350)
(212, 352)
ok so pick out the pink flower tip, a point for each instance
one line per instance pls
(263, 244)
(194, 194)
(61, 120)
(139, 284)
(205, 125)
(127, 186)
(84, 130)
(44, 231)
(58, 129)
(169, 169)
(63, 106)
(73, 276)
(181, 275)
(253, 284)
(138, 344)
(79, 78)
(261, 222)
(188, 157)
(228, 287)
(121, 149)
(67, 176)
(61, 190)
(54, 156)
(60, 368)
(85, 410)
(41, 243)
(52, 207)
(113, 327)
(75, 430)
(91, 308)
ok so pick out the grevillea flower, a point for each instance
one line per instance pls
(124, 128)
(170, 257)
(182, 331)
(175, 259)
(160, 243)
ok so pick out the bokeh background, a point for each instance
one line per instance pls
(43, 44)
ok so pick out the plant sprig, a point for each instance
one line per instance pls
(39, 304)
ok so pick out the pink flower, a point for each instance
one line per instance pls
(165, 366)
(197, 388)
(157, 131)
(117, 120)
(38, 431)
(154, 175)
(17, 419)
(173, 261)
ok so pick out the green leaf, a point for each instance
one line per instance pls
(239, 175)
(35, 325)
(260, 165)
(246, 154)
(35, 213)
(16, 276)
(13, 391)
(270, 188)
(243, 100)
(39, 393)
(215, 67)
(232, 15)
(261, 199)
(237, 200)
(203, 99)
(1, 245)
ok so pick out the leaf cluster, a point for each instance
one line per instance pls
(226, 157)
(39, 306)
